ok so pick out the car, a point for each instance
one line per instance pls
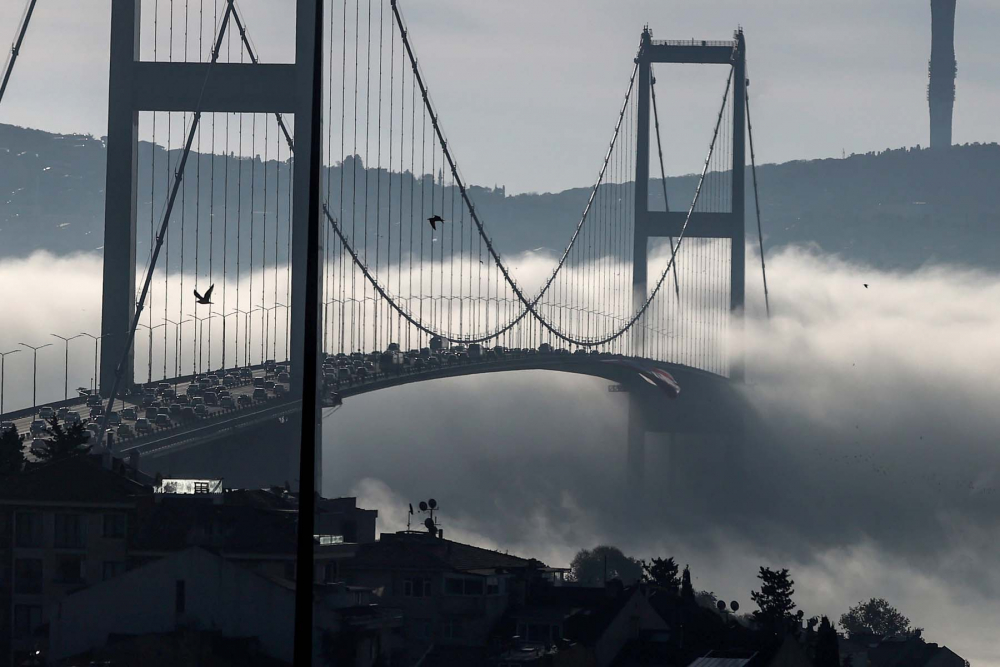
(142, 425)
(174, 410)
(200, 410)
(213, 379)
(227, 402)
(162, 387)
(114, 418)
(46, 412)
(93, 399)
(163, 420)
(129, 413)
(96, 411)
(229, 380)
(148, 399)
(61, 412)
(269, 385)
(94, 428)
(545, 348)
(197, 400)
(37, 427)
(188, 413)
(246, 373)
(580, 351)
(192, 390)
(419, 363)
(260, 394)
(183, 399)
(283, 377)
(258, 382)
(475, 351)
(72, 417)
(39, 447)
(211, 398)
(243, 400)
(125, 431)
(279, 390)
(151, 413)
(434, 361)
(169, 394)
(8, 426)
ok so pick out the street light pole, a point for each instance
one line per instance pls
(177, 346)
(66, 340)
(95, 339)
(3, 357)
(34, 373)
(267, 329)
(224, 317)
(201, 342)
(246, 333)
(149, 352)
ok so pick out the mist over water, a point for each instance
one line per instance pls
(870, 467)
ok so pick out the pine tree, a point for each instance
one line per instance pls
(11, 452)
(687, 590)
(663, 573)
(774, 600)
(827, 647)
(64, 441)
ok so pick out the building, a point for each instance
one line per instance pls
(195, 589)
(451, 595)
(64, 525)
(871, 651)
(942, 71)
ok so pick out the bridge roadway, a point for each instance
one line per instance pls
(229, 423)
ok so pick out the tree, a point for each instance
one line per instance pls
(11, 452)
(774, 600)
(827, 646)
(63, 441)
(663, 573)
(602, 563)
(687, 590)
(876, 617)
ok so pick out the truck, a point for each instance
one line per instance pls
(475, 351)
(391, 361)
(439, 344)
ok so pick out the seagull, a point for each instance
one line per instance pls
(207, 299)
(866, 285)
(434, 219)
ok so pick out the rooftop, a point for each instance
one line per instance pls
(422, 551)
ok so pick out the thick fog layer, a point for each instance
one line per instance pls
(869, 467)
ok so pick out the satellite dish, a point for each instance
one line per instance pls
(721, 605)
(423, 506)
(432, 504)
(429, 524)
(734, 605)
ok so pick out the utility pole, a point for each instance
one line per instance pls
(34, 373)
(3, 358)
(66, 371)
(201, 341)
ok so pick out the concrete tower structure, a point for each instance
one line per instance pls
(942, 70)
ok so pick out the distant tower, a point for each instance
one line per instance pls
(943, 68)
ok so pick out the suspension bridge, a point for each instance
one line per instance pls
(203, 189)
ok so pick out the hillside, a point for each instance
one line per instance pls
(897, 208)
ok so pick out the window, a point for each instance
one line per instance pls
(112, 569)
(180, 598)
(70, 531)
(492, 586)
(29, 529)
(69, 569)
(456, 586)
(419, 587)
(28, 576)
(27, 617)
(114, 526)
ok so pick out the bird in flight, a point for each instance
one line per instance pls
(866, 285)
(434, 219)
(207, 299)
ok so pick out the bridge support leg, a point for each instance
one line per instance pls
(118, 301)
(636, 445)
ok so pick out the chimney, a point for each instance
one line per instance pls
(942, 71)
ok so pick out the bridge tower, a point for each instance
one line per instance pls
(942, 71)
(136, 85)
(720, 225)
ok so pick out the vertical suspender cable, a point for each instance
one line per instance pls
(756, 200)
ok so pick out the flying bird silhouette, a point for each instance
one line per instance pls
(434, 219)
(207, 299)
(866, 285)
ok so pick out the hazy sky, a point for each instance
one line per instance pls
(528, 91)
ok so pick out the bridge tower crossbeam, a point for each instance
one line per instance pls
(136, 86)
(718, 225)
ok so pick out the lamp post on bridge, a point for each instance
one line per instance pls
(95, 339)
(224, 318)
(66, 340)
(246, 332)
(267, 327)
(149, 353)
(201, 342)
(177, 346)
(34, 373)
(3, 358)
